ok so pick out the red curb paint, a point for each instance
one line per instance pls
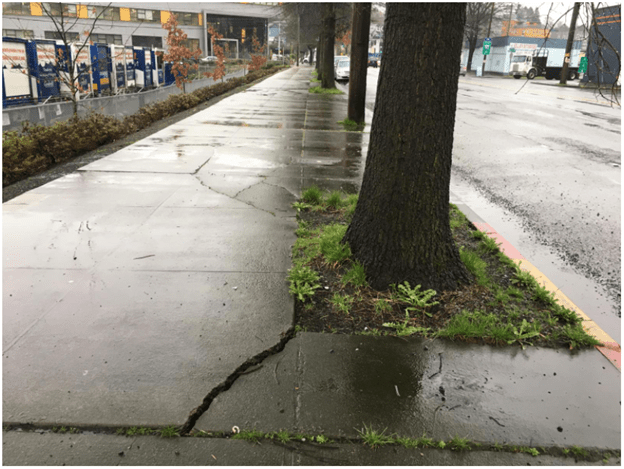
(611, 350)
(614, 356)
(505, 245)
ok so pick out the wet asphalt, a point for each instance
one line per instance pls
(139, 283)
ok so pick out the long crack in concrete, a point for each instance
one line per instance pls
(229, 381)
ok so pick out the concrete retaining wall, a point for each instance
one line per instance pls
(118, 106)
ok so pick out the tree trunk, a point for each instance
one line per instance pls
(472, 45)
(400, 229)
(319, 58)
(359, 61)
(329, 32)
(566, 63)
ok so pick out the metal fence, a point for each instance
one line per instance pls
(119, 106)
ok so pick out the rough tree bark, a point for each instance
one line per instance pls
(329, 33)
(359, 61)
(319, 58)
(400, 229)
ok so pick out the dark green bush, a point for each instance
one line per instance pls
(35, 148)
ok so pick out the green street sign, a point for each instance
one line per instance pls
(583, 65)
(487, 44)
(512, 50)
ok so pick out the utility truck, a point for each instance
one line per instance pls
(536, 65)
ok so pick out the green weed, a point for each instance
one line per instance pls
(564, 315)
(169, 432)
(474, 264)
(407, 442)
(459, 444)
(382, 306)
(321, 90)
(456, 218)
(544, 296)
(526, 331)
(300, 206)
(425, 442)
(322, 439)
(577, 337)
(515, 293)
(312, 195)
(352, 126)
(476, 324)
(331, 245)
(416, 299)
(342, 302)
(301, 291)
(355, 276)
(403, 329)
(525, 278)
(249, 435)
(283, 436)
(579, 452)
(334, 200)
(303, 282)
(532, 451)
(374, 438)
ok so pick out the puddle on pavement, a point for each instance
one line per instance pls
(384, 381)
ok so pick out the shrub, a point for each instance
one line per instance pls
(36, 148)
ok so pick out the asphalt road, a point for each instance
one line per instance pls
(542, 164)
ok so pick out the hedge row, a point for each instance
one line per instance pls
(36, 148)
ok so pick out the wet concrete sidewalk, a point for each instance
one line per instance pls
(136, 285)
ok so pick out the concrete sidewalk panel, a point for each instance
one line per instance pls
(271, 198)
(229, 182)
(215, 240)
(100, 188)
(531, 397)
(66, 237)
(249, 158)
(163, 158)
(29, 294)
(141, 348)
(263, 400)
(53, 449)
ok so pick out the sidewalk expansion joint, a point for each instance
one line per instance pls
(242, 369)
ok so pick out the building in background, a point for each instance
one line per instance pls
(604, 47)
(140, 24)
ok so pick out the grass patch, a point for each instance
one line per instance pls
(321, 90)
(352, 126)
(504, 305)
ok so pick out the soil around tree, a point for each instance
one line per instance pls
(320, 314)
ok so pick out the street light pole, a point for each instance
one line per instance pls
(488, 35)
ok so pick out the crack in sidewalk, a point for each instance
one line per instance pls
(229, 381)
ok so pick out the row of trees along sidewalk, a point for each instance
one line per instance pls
(400, 230)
